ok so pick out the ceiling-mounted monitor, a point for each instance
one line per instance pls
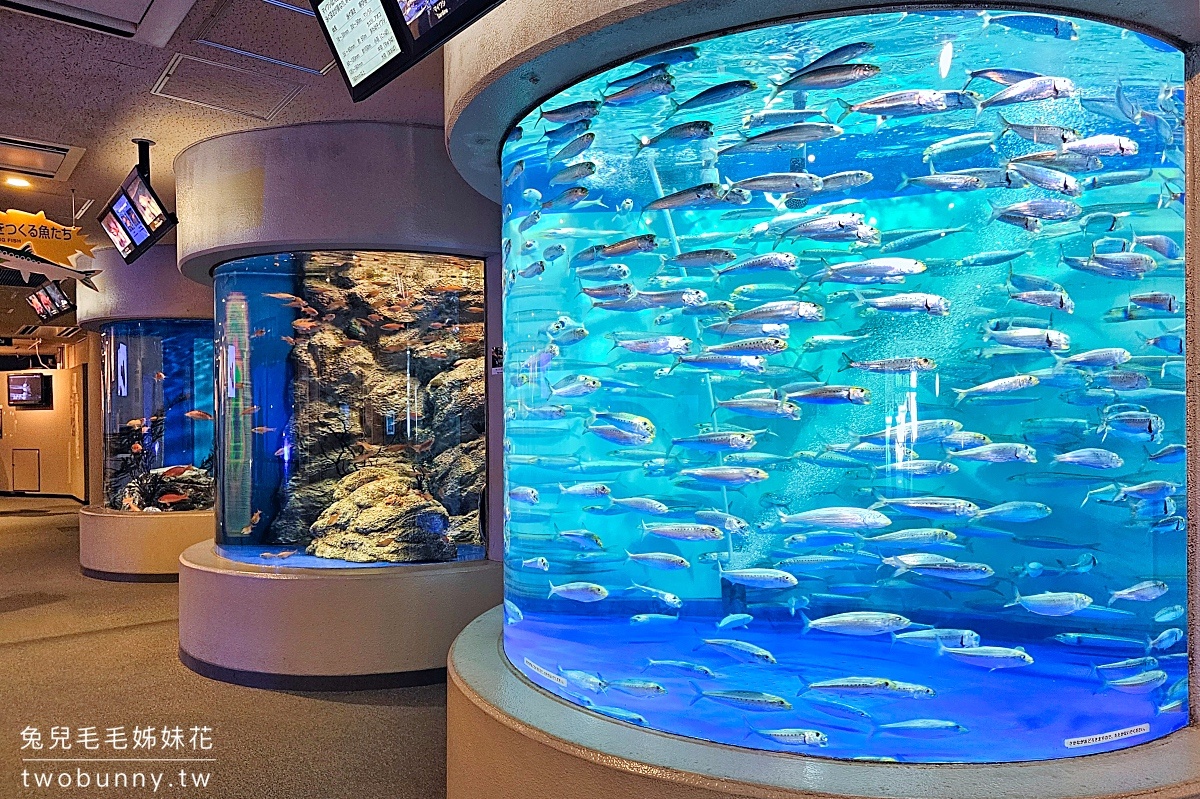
(134, 218)
(50, 301)
(374, 41)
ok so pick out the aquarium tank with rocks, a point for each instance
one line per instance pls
(350, 409)
(845, 389)
(158, 414)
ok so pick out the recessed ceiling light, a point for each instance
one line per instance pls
(17, 183)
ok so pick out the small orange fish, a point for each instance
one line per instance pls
(436, 325)
(259, 333)
(176, 471)
(135, 423)
(304, 325)
(288, 340)
(423, 446)
(251, 409)
(364, 322)
(200, 416)
(353, 342)
(449, 288)
(136, 448)
(171, 499)
(329, 317)
(279, 453)
(475, 309)
(159, 376)
(256, 517)
(279, 295)
(128, 504)
(391, 326)
(308, 310)
(262, 430)
(375, 317)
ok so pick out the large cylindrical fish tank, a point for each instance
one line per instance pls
(158, 411)
(845, 393)
(350, 409)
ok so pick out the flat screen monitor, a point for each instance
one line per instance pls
(375, 41)
(145, 201)
(30, 391)
(133, 218)
(50, 301)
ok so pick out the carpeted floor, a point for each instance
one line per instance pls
(78, 652)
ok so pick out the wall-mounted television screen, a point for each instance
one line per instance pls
(50, 301)
(375, 41)
(30, 391)
(134, 218)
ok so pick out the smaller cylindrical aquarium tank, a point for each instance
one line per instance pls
(158, 415)
(350, 408)
(846, 393)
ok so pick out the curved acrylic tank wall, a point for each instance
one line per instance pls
(776, 442)
(158, 410)
(350, 408)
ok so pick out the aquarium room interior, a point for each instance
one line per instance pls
(528, 399)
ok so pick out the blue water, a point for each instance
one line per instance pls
(1082, 539)
(294, 558)
(156, 371)
(304, 343)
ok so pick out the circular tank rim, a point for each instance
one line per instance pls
(488, 94)
(479, 669)
(212, 561)
(97, 324)
(312, 124)
(388, 250)
(365, 186)
(101, 510)
(149, 289)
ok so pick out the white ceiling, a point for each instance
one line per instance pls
(264, 61)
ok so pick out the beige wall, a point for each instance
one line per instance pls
(87, 351)
(56, 434)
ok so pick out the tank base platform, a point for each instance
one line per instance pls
(329, 629)
(508, 739)
(123, 546)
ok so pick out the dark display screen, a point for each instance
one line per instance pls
(29, 391)
(145, 202)
(422, 16)
(375, 41)
(50, 301)
(134, 219)
(130, 220)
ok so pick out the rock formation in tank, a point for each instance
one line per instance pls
(388, 398)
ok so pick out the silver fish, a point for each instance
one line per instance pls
(889, 365)
(858, 623)
(1039, 133)
(912, 102)
(654, 86)
(1030, 90)
(714, 95)
(1046, 178)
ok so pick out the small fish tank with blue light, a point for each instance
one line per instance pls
(158, 415)
(350, 409)
(845, 390)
